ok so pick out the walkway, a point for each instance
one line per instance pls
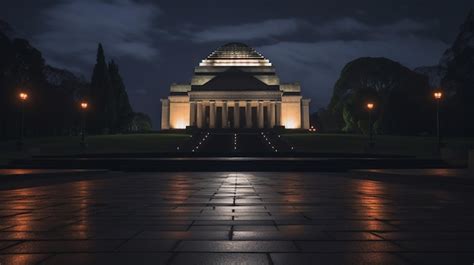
(236, 218)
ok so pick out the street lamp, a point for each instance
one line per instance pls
(84, 106)
(23, 98)
(370, 107)
(438, 95)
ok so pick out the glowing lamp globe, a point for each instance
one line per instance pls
(23, 96)
(84, 105)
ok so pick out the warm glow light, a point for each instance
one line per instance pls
(438, 95)
(84, 105)
(23, 96)
(290, 124)
(312, 129)
(235, 62)
(179, 124)
(291, 114)
(179, 116)
(370, 106)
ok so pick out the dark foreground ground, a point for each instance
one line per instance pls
(235, 218)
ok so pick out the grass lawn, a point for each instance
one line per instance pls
(120, 143)
(349, 143)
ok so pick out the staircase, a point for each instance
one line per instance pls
(237, 143)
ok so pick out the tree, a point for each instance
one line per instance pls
(123, 110)
(401, 96)
(101, 95)
(140, 123)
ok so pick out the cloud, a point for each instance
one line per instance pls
(245, 32)
(355, 29)
(281, 29)
(74, 27)
(317, 65)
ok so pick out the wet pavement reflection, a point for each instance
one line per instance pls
(236, 218)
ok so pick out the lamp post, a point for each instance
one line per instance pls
(23, 98)
(84, 106)
(438, 95)
(370, 107)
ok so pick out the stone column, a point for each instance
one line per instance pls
(165, 114)
(278, 113)
(192, 113)
(305, 113)
(200, 115)
(236, 114)
(271, 111)
(212, 115)
(224, 114)
(248, 114)
(260, 114)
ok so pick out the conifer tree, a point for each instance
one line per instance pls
(123, 110)
(101, 98)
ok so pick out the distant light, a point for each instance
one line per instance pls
(438, 95)
(84, 105)
(23, 96)
(370, 105)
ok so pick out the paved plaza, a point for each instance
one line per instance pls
(236, 218)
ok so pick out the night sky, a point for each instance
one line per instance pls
(157, 43)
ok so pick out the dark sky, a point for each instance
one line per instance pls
(157, 43)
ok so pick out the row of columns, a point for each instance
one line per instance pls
(198, 114)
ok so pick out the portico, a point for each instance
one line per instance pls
(240, 114)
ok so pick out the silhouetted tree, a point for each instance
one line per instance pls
(402, 98)
(101, 95)
(140, 123)
(123, 110)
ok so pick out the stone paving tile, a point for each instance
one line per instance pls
(347, 246)
(440, 258)
(236, 246)
(336, 258)
(147, 245)
(184, 235)
(63, 246)
(438, 245)
(108, 258)
(220, 259)
(236, 222)
(210, 228)
(437, 235)
(6, 244)
(254, 228)
(22, 259)
(279, 235)
(38, 227)
(354, 236)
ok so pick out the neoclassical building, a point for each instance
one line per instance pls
(235, 87)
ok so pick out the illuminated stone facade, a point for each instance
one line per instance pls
(235, 87)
